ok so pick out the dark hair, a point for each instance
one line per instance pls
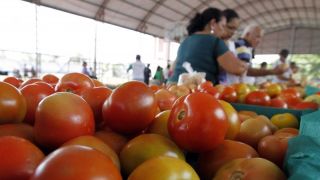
(138, 57)
(263, 64)
(284, 52)
(201, 20)
(230, 14)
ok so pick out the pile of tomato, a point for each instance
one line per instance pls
(73, 127)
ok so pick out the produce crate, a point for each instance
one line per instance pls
(270, 111)
(309, 90)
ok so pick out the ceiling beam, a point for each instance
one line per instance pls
(142, 25)
(100, 12)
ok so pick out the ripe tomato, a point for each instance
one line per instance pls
(162, 167)
(274, 90)
(95, 97)
(61, 117)
(113, 139)
(207, 87)
(13, 81)
(210, 162)
(147, 146)
(291, 91)
(197, 122)
(97, 83)
(293, 131)
(154, 87)
(34, 93)
(74, 82)
(273, 148)
(165, 99)
(253, 168)
(29, 81)
(95, 143)
(278, 103)
(160, 124)
(285, 120)
(252, 130)
(19, 130)
(229, 94)
(306, 105)
(76, 162)
(50, 79)
(13, 106)
(258, 98)
(130, 108)
(19, 158)
(233, 120)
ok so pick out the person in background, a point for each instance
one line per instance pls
(233, 23)
(245, 46)
(158, 76)
(137, 69)
(167, 73)
(147, 74)
(92, 73)
(204, 50)
(262, 79)
(85, 68)
(287, 75)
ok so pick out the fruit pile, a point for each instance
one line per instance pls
(76, 128)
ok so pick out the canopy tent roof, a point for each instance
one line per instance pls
(292, 24)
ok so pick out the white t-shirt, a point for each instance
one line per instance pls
(287, 74)
(138, 70)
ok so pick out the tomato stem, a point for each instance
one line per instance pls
(181, 115)
(237, 175)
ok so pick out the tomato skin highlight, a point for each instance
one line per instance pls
(197, 122)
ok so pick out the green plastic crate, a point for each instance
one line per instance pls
(270, 111)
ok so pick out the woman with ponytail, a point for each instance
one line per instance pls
(204, 50)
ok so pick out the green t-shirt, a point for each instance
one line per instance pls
(201, 51)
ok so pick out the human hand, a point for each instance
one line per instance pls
(280, 69)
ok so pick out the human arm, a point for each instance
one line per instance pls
(264, 72)
(231, 64)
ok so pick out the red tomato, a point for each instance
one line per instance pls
(162, 168)
(278, 103)
(205, 85)
(165, 99)
(95, 143)
(61, 117)
(19, 130)
(254, 168)
(74, 82)
(292, 91)
(130, 108)
(229, 94)
(76, 162)
(13, 106)
(274, 148)
(29, 81)
(13, 81)
(197, 122)
(210, 162)
(113, 139)
(95, 97)
(293, 131)
(306, 105)
(147, 146)
(19, 158)
(33, 94)
(97, 83)
(210, 90)
(154, 87)
(258, 98)
(50, 79)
